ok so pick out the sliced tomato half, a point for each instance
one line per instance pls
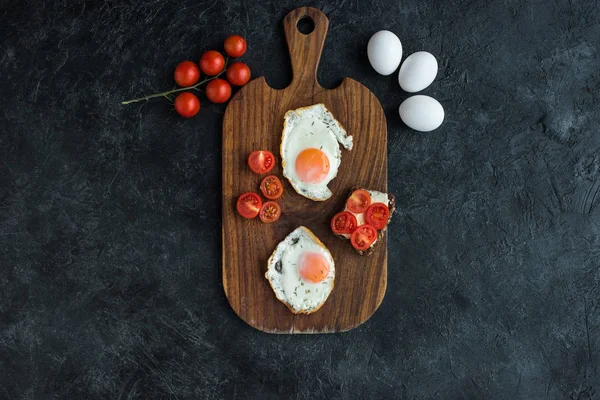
(363, 237)
(377, 215)
(343, 223)
(248, 205)
(359, 201)
(270, 212)
(271, 187)
(261, 161)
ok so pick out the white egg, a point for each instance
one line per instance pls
(385, 52)
(301, 271)
(310, 152)
(417, 71)
(422, 113)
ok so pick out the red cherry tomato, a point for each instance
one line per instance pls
(187, 104)
(358, 201)
(186, 73)
(248, 205)
(377, 215)
(238, 74)
(261, 161)
(218, 91)
(363, 237)
(271, 187)
(212, 62)
(270, 212)
(235, 46)
(343, 223)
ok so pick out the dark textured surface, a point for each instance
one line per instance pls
(109, 229)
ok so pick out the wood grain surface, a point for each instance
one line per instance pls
(254, 120)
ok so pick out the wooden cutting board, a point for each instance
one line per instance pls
(254, 121)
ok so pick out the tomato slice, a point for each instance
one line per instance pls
(363, 237)
(270, 212)
(248, 205)
(271, 187)
(261, 161)
(343, 223)
(377, 215)
(358, 201)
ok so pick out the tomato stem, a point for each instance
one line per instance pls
(183, 89)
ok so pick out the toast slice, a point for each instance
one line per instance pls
(377, 197)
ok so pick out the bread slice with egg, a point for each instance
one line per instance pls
(310, 141)
(288, 280)
(391, 206)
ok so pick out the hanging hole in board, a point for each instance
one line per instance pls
(306, 25)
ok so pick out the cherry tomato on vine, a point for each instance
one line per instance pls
(187, 104)
(238, 74)
(186, 73)
(212, 62)
(235, 46)
(218, 91)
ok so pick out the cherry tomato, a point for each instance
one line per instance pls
(218, 91)
(261, 161)
(238, 74)
(377, 215)
(187, 104)
(212, 62)
(363, 237)
(343, 223)
(186, 73)
(270, 212)
(235, 46)
(271, 187)
(358, 201)
(248, 205)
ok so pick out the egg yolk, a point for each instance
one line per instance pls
(312, 165)
(313, 267)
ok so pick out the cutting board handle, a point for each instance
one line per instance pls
(305, 49)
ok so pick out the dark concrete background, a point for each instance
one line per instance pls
(109, 214)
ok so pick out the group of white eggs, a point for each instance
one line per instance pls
(421, 113)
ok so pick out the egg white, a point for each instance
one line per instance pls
(312, 127)
(282, 272)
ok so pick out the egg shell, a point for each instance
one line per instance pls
(385, 52)
(417, 71)
(422, 113)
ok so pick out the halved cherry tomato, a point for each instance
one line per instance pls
(377, 215)
(261, 161)
(270, 212)
(212, 62)
(359, 201)
(186, 73)
(187, 104)
(249, 204)
(271, 187)
(343, 223)
(363, 237)
(235, 46)
(218, 91)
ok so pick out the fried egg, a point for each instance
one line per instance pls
(301, 272)
(310, 152)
